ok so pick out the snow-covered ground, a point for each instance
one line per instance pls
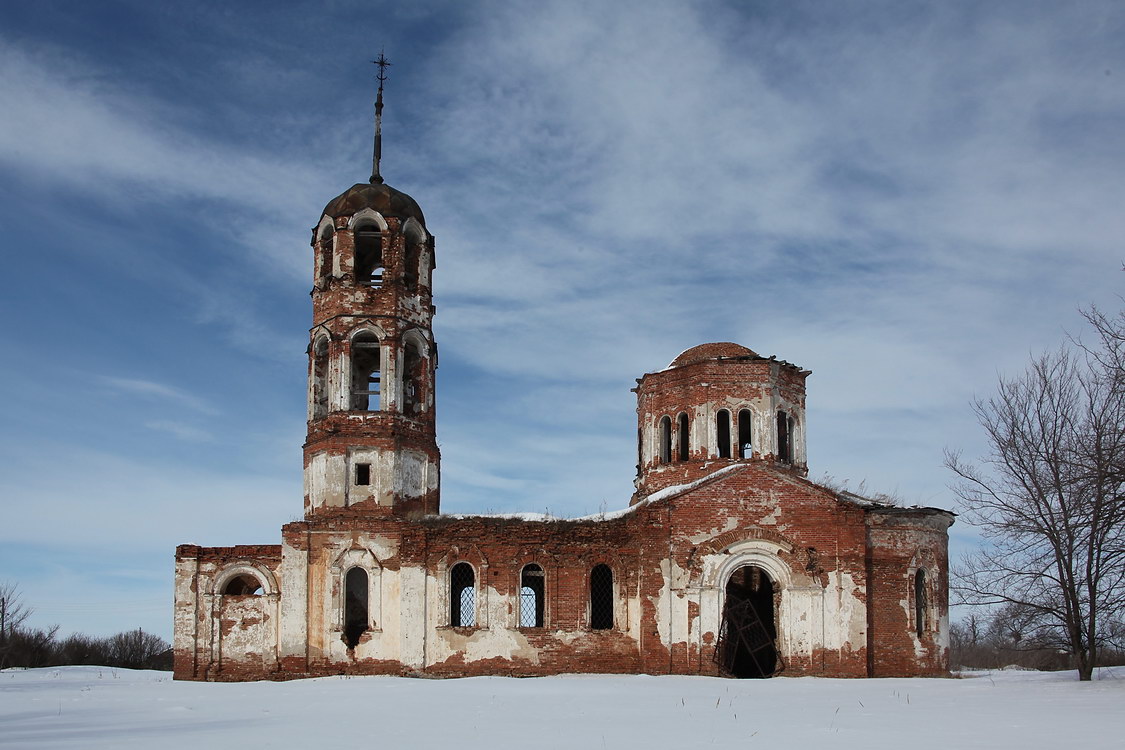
(94, 707)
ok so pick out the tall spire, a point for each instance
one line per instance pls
(382, 62)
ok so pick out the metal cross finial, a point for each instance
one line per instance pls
(383, 64)
(381, 77)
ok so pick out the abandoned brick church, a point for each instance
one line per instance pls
(728, 561)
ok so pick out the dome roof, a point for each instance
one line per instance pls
(378, 197)
(711, 351)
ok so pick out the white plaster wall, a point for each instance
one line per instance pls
(293, 580)
(322, 480)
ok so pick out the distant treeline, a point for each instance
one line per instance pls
(134, 649)
(1017, 636)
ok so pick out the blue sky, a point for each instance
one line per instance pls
(906, 198)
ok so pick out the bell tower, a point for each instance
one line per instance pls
(371, 445)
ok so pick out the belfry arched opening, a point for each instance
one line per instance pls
(747, 645)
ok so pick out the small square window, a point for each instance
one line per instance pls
(363, 474)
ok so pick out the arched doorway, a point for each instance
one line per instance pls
(747, 645)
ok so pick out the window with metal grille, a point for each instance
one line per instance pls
(601, 597)
(666, 440)
(722, 432)
(462, 596)
(920, 603)
(531, 596)
(365, 373)
(355, 606)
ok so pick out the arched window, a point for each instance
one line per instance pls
(722, 433)
(356, 617)
(324, 249)
(531, 596)
(920, 603)
(415, 242)
(684, 442)
(601, 597)
(462, 596)
(783, 452)
(413, 370)
(243, 585)
(666, 440)
(369, 255)
(745, 434)
(320, 378)
(365, 373)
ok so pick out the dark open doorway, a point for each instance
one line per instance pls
(747, 645)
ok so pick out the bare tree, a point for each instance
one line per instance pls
(135, 649)
(1048, 495)
(13, 614)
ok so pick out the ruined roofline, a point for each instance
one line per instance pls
(256, 551)
(735, 358)
(883, 506)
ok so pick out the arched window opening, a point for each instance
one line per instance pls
(462, 596)
(365, 373)
(410, 273)
(243, 585)
(601, 598)
(640, 451)
(666, 440)
(413, 369)
(320, 379)
(356, 613)
(415, 244)
(369, 255)
(531, 596)
(747, 644)
(722, 433)
(783, 452)
(920, 603)
(745, 434)
(325, 251)
(685, 434)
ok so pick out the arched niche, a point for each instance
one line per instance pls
(348, 560)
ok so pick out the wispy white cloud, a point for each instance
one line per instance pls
(181, 430)
(157, 392)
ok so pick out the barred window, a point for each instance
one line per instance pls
(462, 596)
(601, 597)
(531, 596)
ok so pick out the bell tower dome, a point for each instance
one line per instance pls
(371, 445)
